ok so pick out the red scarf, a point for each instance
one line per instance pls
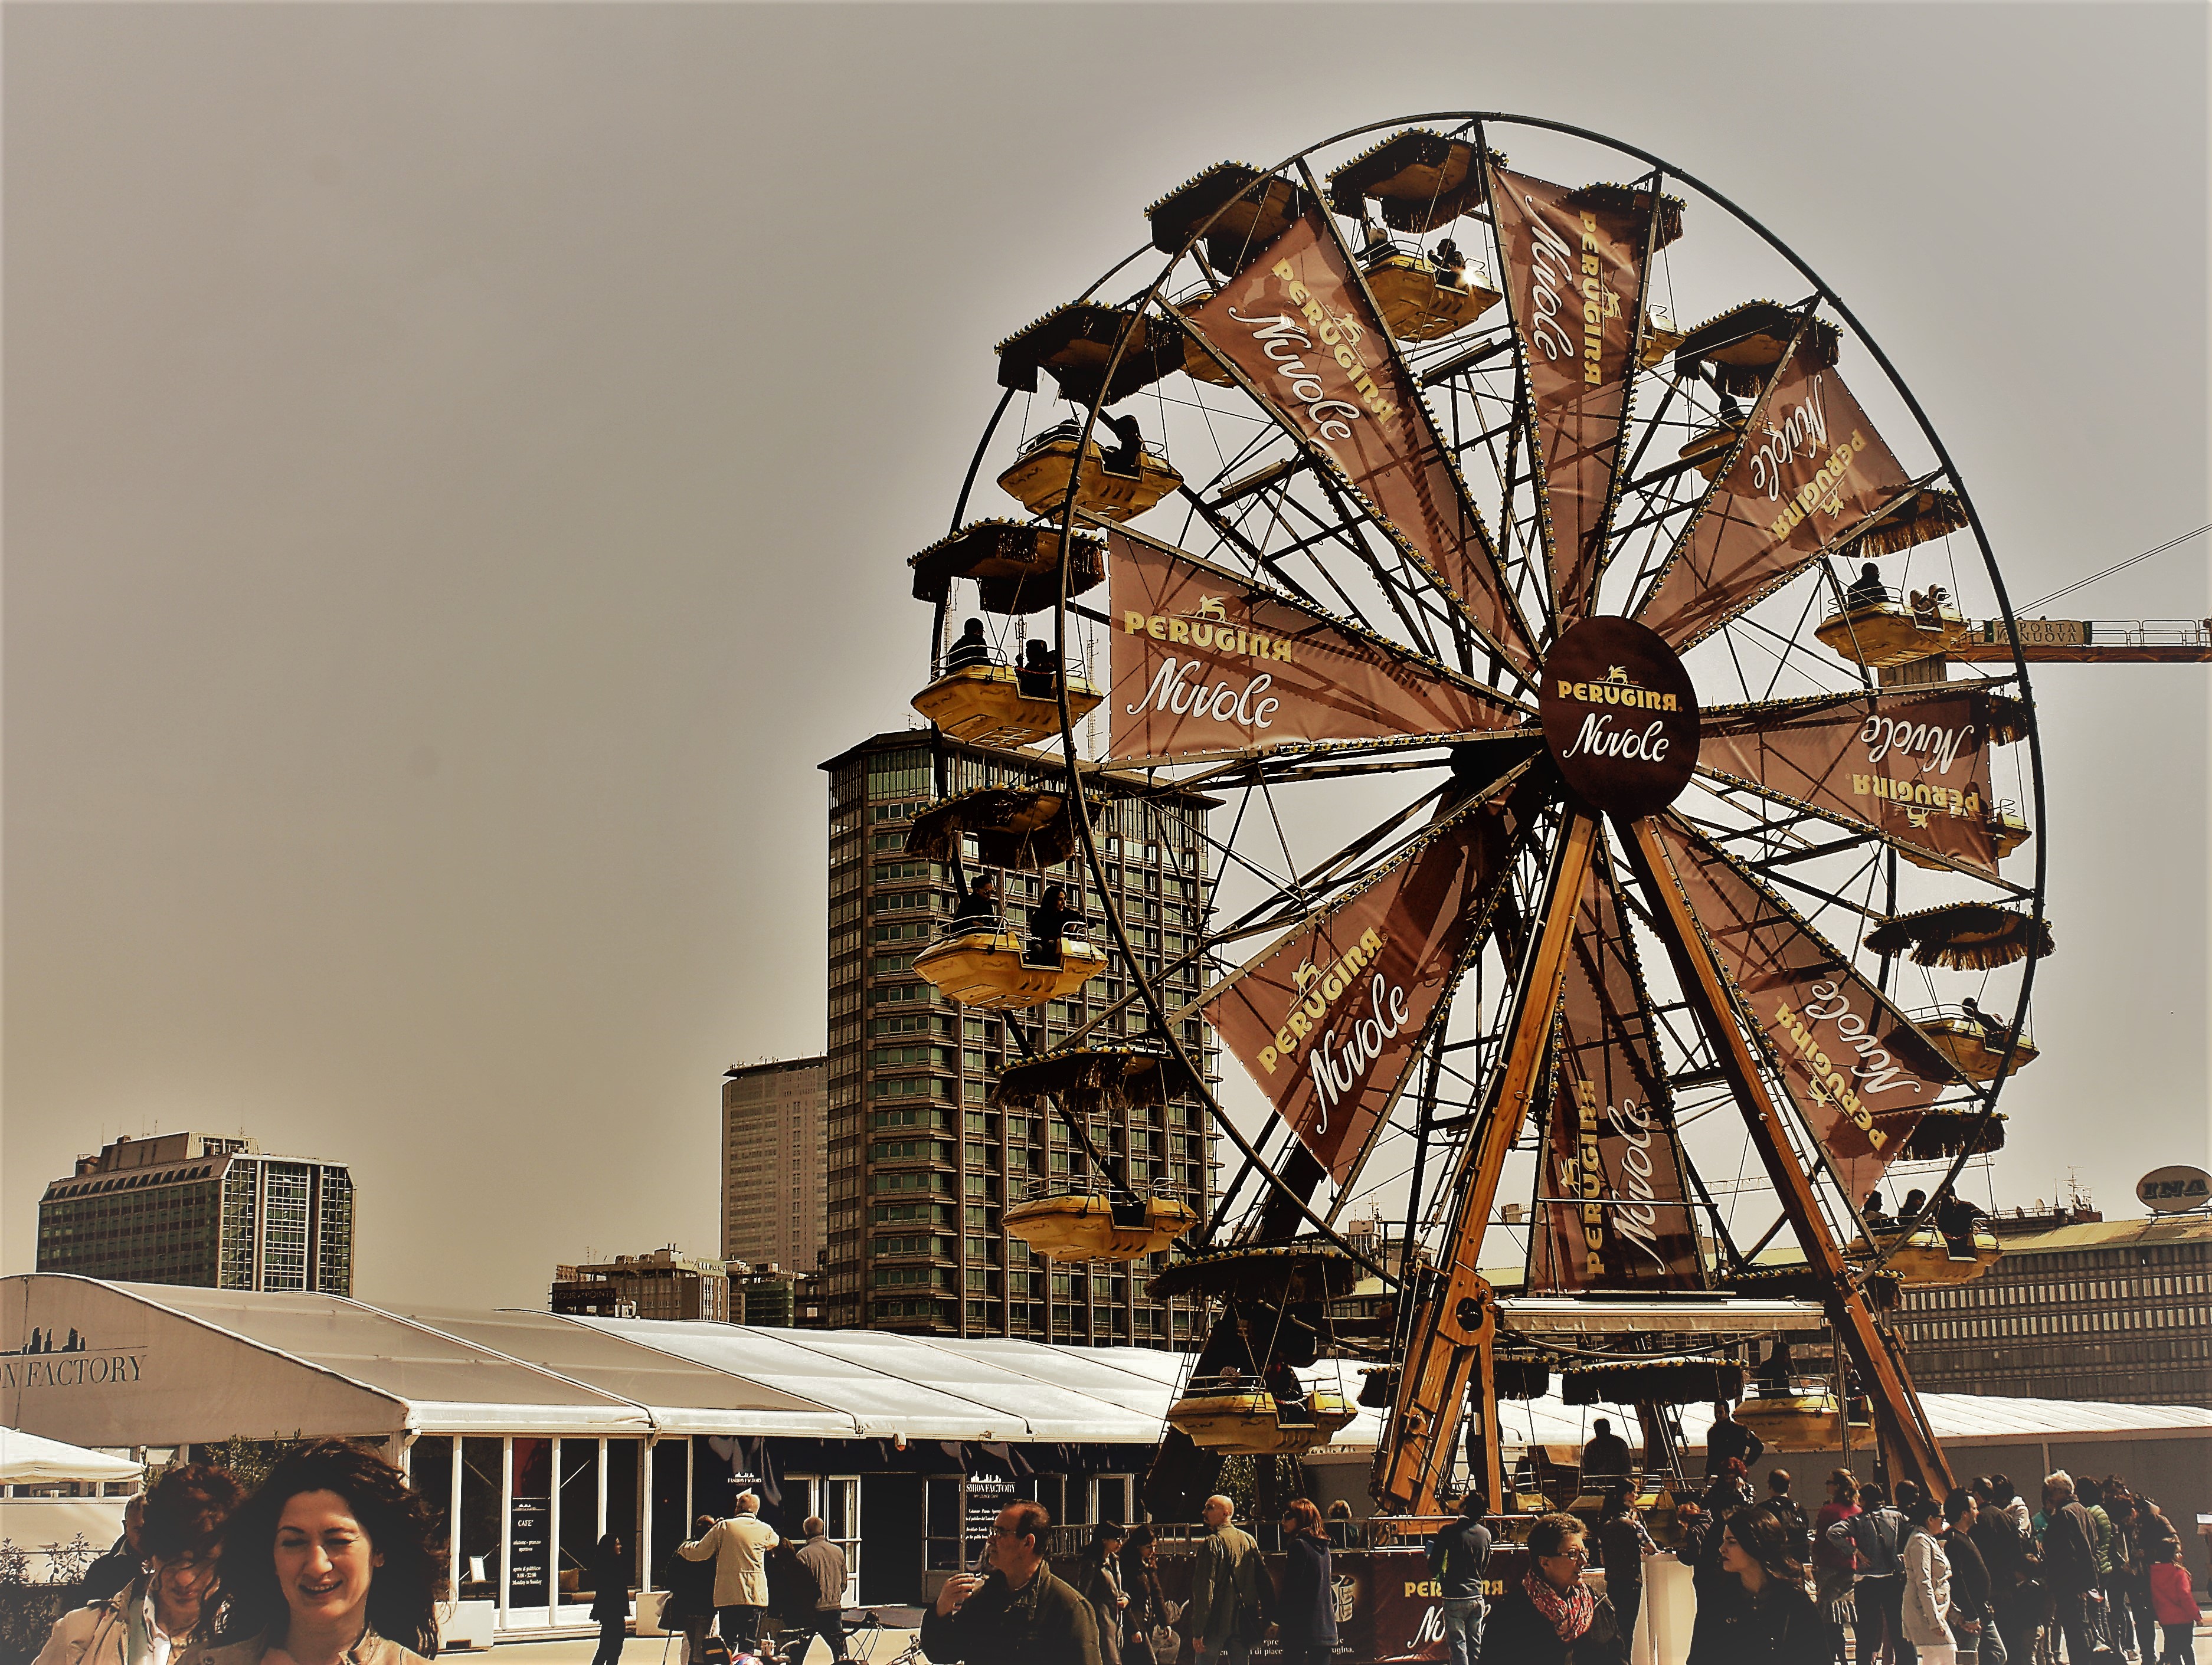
(1569, 1615)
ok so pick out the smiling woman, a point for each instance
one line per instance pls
(334, 1558)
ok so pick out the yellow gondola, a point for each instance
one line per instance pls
(1974, 1052)
(985, 967)
(1088, 1227)
(1878, 634)
(1661, 337)
(985, 705)
(1806, 1420)
(1421, 300)
(1927, 1257)
(1708, 448)
(1039, 478)
(1243, 209)
(1237, 1418)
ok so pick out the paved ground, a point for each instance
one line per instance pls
(875, 1648)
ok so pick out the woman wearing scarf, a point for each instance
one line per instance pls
(1758, 1612)
(1551, 1617)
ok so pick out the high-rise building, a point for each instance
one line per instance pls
(665, 1284)
(2114, 1310)
(189, 1209)
(921, 1162)
(775, 1120)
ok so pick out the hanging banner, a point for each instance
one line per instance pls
(1330, 1020)
(1614, 1208)
(1813, 466)
(1297, 325)
(1912, 764)
(1205, 663)
(1573, 264)
(1859, 1072)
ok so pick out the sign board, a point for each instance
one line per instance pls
(531, 1517)
(2175, 1191)
(986, 1494)
(1619, 716)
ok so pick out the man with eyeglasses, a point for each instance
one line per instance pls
(1551, 1617)
(1021, 1614)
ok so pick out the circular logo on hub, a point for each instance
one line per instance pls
(1619, 716)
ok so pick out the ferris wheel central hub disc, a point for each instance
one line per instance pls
(1619, 716)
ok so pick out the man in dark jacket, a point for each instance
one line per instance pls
(820, 1565)
(1551, 1617)
(123, 1560)
(2014, 1593)
(1459, 1557)
(1783, 1507)
(1021, 1614)
(690, 1604)
(1970, 1610)
(2070, 1562)
(1727, 1438)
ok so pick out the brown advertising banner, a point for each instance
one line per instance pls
(1614, 1211)
(1811, 466)
(1913, 763)
(1573, 272)
(1329, 1020)
(1297, 325)
(1859, 1072)
(1207, 662)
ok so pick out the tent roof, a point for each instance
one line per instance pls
(33, 1460)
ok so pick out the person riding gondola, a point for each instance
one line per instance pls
(1290, 1394)
(1914, 1206)
(1038, 675)
(1866, 591)
(1955, 1218)
(980, 905)
(972, 649)
(1877, 1217)
(1774, 1373)
(1988, 1022)
(1048, 922)
(1127, 458)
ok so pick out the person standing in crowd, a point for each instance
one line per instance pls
(1928, 1587)
(1343, 1531)
(335, 1560)
(1148, 1606)
(2091, 1495)
(821, 1565)
(1606, 1459)
(1459, 1559)
(610, 1598)
(1758, 1612)
(1728, 1439)
(153, 1614)
(2152, 1528)
(1973, 1632)
(2008, 1499)
(1783, 1507)
(1020, 1614)
(2069, 1560)
(1098, 1581)
(2016, 1595)
(2173, 1602)
(1229, 1589)
(1307, 1620)
(1622, 1544)
(124, 1559)
(1835, 1568)
(689, 1608)
(739, 1547)
(1551, 1617)
(1876, 1536)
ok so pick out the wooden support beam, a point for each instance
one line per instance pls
(1456, 1318)
(1907, 1441)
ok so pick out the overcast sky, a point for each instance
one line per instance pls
(460, 461)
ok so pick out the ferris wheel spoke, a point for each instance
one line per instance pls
(1613, 1206)
(1911, 765)
(1576, 265)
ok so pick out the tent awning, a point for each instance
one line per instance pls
(34, 1460)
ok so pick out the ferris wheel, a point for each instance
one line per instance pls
(1627, 769)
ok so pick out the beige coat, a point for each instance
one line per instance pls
(736, 1547)
(97, 1635)
(371, 1650)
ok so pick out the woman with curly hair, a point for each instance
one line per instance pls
(336, 1558)
(1551, 1617)
(1758, 1611)
(150, 1618)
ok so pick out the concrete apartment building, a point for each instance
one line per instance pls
(920, 1164)
(192, 1208)
(665, 1284)
(775, 1162)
